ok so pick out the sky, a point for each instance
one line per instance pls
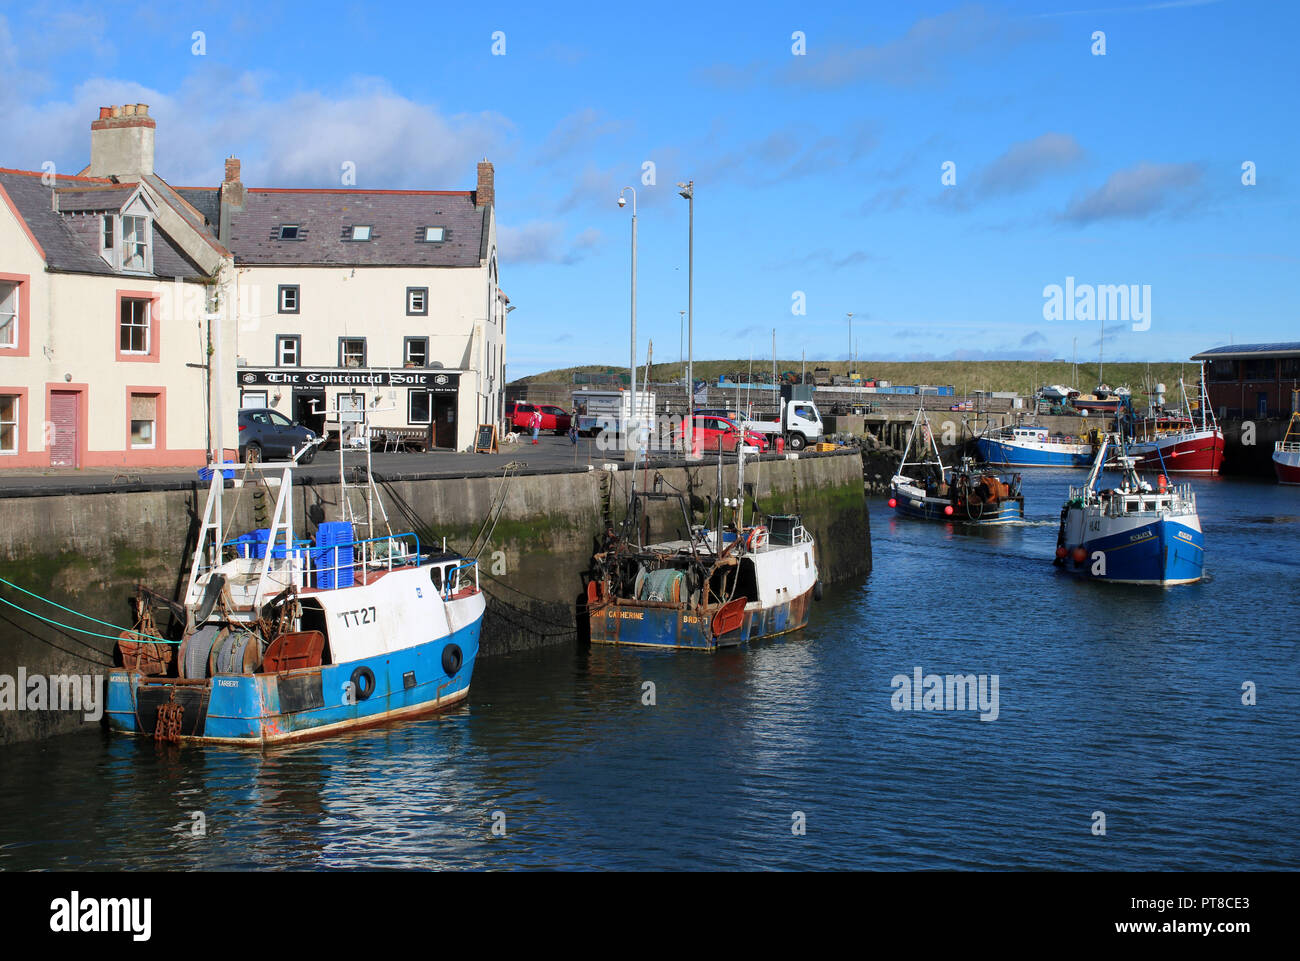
(933, 169)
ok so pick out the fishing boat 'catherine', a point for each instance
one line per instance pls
(1286, 452)
(1132, 533)
(718, 586)
(926, 490)
(284, 639)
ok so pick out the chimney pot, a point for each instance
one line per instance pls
(105, 113)
(117, 111)
(142, 109)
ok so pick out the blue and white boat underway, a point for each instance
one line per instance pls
(1034, 447)
(1133, 533)
(926, 490)
(286, 639)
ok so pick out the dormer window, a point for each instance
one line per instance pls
(360, 233)
(289, 232)
(433, 235)
(135, 244)
(109, 229)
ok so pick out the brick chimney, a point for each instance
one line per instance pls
(122, 142)
(232, 196)
(485, 195)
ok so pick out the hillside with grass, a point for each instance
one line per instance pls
(1021, 376)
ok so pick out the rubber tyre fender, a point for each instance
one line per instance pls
(817, 590)
(363, 690)
(452, 659)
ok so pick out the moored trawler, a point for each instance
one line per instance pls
(1187, 441)
(1133, 533)
(1286, 452)
(1029, 446)
(286, 639)
(720, 586)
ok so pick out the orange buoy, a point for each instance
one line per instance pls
(1060, 553)
(1162, 482)
(1080, 555)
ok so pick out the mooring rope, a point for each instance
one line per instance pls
(69, 627)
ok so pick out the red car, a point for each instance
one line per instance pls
(553, 418)
(708, 430)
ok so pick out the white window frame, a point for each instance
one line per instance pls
(121, 325)
(441, 231)
(16, 423)
(288, 340)
(246, 395)
(137, 237)
(108, 231)
(364, 237)
(411, 294)
(343, 352)
(284, 291)
(9, 318)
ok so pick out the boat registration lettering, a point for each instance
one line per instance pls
(1141, 536)
(222, 682)
(357, 618)
(632, 615)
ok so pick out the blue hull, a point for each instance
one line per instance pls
(671, 627)
(1163, 552)
(258, 709)
(1012, 455)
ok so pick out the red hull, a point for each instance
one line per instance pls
(1195, 452)
(1287, 473)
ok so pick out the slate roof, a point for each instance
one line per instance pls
(65, 249)
(206, 200)
(397, 219)
(1291, 349)
(80, 198)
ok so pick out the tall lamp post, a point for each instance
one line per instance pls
(688, 191)
(629, 429)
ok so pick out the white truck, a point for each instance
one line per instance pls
(601, 410)
(798, 421)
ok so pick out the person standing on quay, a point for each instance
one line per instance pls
(537, 424)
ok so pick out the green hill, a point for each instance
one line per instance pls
(1022, 376)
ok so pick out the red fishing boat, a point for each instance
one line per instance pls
(1182, 441)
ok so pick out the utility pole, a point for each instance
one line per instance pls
(688, 192)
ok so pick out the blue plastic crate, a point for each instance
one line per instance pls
(227, 471)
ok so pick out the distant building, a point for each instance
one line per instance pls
(1251, 380)
(312, 302)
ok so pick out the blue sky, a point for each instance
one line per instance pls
(817, 174)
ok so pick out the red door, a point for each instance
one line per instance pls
(64, 428)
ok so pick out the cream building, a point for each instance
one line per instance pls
(307, 301)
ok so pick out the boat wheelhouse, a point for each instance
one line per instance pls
(1133, 533)
(283, 638)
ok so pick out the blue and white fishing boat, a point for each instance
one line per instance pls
(927, 490)
(1034, 447)
(1134, 533)
(734, 581)
(286, 639)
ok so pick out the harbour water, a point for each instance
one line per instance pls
(1111, 699)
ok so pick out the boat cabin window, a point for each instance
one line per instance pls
(435, 575)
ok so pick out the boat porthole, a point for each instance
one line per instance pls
(363, 682)
(451, 659)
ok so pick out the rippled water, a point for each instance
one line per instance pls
(1115, 699)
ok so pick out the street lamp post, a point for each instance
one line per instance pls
(688, 192)
(629, 429)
